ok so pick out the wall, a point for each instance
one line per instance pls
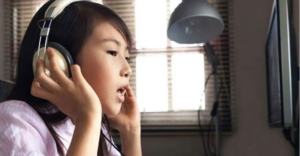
(296, 21)
(1, 40)
(253, 136)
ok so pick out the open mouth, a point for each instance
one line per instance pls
(121, 91)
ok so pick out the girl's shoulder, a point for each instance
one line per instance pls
(22, 130)
(11, 107)
(22, 114)
(19, 114)
(19, 110)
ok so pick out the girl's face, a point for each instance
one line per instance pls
(103, 64)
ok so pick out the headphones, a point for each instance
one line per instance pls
(65, 60)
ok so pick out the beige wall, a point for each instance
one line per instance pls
(254, 137)
(296, 21)
(1, 40)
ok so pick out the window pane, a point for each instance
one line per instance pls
(151, 82)
(174, 4)
(38, 7)
(151, 24)
(188, 81)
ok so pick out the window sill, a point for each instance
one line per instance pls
(175, 131)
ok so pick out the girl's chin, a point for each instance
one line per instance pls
(112, 111)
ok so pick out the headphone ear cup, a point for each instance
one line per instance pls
(65, 60)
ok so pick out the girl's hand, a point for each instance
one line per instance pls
(128, 118)
(74, 97)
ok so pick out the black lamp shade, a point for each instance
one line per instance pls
(194, 21)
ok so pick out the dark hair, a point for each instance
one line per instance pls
(71, 29)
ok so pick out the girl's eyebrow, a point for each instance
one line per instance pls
(118, 43)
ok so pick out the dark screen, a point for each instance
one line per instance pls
(273, 69)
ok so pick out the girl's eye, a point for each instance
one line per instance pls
(113, 53)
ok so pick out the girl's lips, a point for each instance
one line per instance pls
(121, 96)
(121, 93)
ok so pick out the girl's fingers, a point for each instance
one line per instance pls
(38, 91)
(129, 91)
(130, 103)
(76, 74)
(43, 79)
(56, 73)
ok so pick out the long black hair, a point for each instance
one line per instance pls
(71, 29)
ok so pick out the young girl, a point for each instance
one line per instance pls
(61, 115)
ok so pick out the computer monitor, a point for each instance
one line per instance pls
(282, 69)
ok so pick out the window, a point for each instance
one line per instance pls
(168, 78)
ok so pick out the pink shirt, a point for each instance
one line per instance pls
(23, 132)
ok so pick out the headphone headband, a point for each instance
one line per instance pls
(57, 7)
(52, 11)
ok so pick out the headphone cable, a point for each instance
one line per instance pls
(113, 144)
